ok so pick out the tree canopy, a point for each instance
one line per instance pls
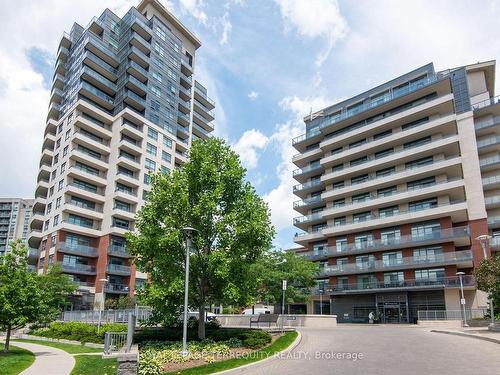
(233, 229)
(276, 266)
(488, 278)
(26, 297)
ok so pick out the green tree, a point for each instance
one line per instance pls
(488, 278)
(276, 266)
(210, 194)
(26, 297)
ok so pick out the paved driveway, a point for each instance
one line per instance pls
(384, 350)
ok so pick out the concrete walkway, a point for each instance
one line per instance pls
(475, 333)
(381, 350)
(48, 360)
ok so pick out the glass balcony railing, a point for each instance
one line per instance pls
(140, 69)
(307, 169)
(92, 73)
(307, 185)
(347, 113)
(438, 282)
(375, 197)
(107, 49)
(489, 161)
(488, 141)
(77, 249)
(404, 262)
(387, 243)
(119, 251)
(138, 99)
(307, 201)
(77, 268)
(101, 63)
(93, 190)
(118, 268)
(487, 123)
(137, 83)
(136, 51)
(116, 288)
(486, 103)
(95, 91)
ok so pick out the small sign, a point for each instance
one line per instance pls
(462, 301)
(284, 284)
(291, 317)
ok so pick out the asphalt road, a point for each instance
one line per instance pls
(383, 350)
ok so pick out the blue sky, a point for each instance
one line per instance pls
(266, 63)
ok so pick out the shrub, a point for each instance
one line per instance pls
(256, 339)
(83, 332)
(234, 342)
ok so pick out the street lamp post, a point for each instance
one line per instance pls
(101, 305)
(321, 291)
(483, 240)
(462, 300)
(284, 285)
(188, 231)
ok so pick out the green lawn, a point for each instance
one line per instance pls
(70, 348)
(85, 364)
(15, 361)
(94, 365)
(280, 344)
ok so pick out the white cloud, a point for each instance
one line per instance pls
(313, 19)
(248, 146)
(281, 198)
(226, 28)
(252, 95)
(195, 9)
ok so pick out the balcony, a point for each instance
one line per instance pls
(463, 259)
(136, 55)
(100, 66)
(183, 119)
(184, 93)
(118, 269)
(118, 251)
(102, 50)
(88, 175)
(307, 156)
(96, 194)
(308, 171)
(93, 125)
(304, 204)
(129, 162)
(489, 162)
(208, 114)
(451, 166)
(56, 95)
(487, 124)
(96, 95)
(81, 209)
(136, 85)
(75, 249)
(142, 28)
(421, 284)
(186, 66)
(54, 111)
(83, 269)
(184, 106)
(92, 141)
(59, 81)
(302, 190)
(116, 288)
(348, 113)
(33, 253)
(100, 82)
(398, 197)
(137, 71)
(139, 42)
(491, 142)
(493, 221)
(446, 145)
(458, 235)
(486, 103)
(132, 130)
(202, 121)
(134, 100)
(200, 94)
(62, 54)
(492, 202)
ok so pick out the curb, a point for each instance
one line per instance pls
(290, 348)
(495, 341)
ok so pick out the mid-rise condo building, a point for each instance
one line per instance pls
(397, 185)
(15, 215)
(124, 103)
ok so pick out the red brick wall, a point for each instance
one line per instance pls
(477, 228)
(102, 261)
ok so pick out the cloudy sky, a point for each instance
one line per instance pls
(266, 63)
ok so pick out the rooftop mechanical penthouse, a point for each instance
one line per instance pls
(394, 187)
(124, 102)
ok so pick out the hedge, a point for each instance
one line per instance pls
(83, 332)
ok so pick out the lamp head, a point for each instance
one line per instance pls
(460, 273)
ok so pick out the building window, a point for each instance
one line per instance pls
(58, 202)
(390, 236)
(65, 151)
(153, 134)
(430, 274)
(418, 142)
(165, 156)
(60, 186)
(46, 225)
(422, 183)
(360, 197)
(419, 162)
(150, 165)
(339, 203)
(122, 205)
(156, 90)
(56, 220)
(49, 208)
(359, 161)
(157, 76)
(120, 223)
(361, 216)
(151, 149)
(80, 221)
(51, 191)
(391, 259)
(56, 159)
(147, 179)
(388, 211)
(68, 133)
(382, 134)
(338, 221)
(428, 254)
(394, 278)
(383, 153)
(359, 179)
(423, 204)
(337, 168)
(385, 172)
(341, 244)
(338, 185)
(385, 192)
(362, 241)
(426, 230)
(167, 142)
(155, 105)
(53, 240)
(63, 167)
(164, 169)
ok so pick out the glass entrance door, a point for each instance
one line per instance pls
(393, 312)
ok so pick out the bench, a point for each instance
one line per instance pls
(264, 318)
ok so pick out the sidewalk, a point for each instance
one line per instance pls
(48, 360)
(478, 333)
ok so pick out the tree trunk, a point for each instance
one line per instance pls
(7, 340)
(201, 312)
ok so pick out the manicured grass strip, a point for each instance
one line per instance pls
(280, 344)
(70, 348)
(15, 361)
(94, 365)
